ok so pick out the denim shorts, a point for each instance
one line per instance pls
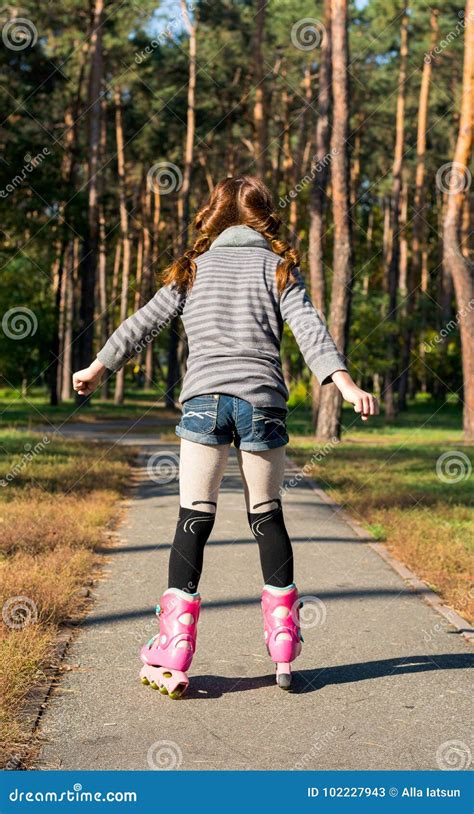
(221, 419)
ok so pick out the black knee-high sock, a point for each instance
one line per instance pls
(276, 553)
(187, 552)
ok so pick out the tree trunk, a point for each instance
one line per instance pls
(145, 281)
(90, 250)
(70, 278)
(184, 192)
(393, 270)
(329, 417)
(120, 377)
(419, 217)
(116, 273)
(461, 269)
(259, 109)
(403, 268)
(103, 299)
(66, 271)
(369, 236)
(386, 242)
(175, 335)
(318, 200)
(68, 172)
(149, 357)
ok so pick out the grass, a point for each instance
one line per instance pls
(56, 499)
(33, 409)
(394, 480)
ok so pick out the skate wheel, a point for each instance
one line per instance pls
(284, 681)
(163, 689)
(144, 680)
(283, 676)
(178, 692)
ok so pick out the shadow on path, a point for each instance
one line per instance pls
(306, 681)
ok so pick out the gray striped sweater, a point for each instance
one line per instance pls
(233, 318)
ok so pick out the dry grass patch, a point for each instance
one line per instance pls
(53, 512)
(396, 491)
(39, 522)
(22, 652)
(50, 581)
(434, 545)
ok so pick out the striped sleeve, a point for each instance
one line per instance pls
(136, 332)
(310, 331)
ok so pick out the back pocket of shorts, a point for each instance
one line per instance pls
(269, 424)
(200, 414)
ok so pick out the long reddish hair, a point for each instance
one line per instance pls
(235, 201)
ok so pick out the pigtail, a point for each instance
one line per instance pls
(290, 256)
(182, 272)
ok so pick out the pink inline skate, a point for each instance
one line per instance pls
(168, 655)
(282, 632)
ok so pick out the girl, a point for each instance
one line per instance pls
(234, 290)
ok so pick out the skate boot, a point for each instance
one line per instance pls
(168, 655)
(282, 632)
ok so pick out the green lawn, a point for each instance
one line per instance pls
(33, 409)
(409, 483)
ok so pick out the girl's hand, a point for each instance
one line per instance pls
(85, 381)
(364, 403)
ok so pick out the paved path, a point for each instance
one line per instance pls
(383, 681)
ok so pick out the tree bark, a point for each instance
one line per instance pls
(88, 267)
(461, 269)
(149, 356)
(102, 281)
(175, 334)
(415, 276)
(120, 377)
(259, 109)
(318, 199)
(69, 281)
(184, 192)
(393, 270)
(329, 417)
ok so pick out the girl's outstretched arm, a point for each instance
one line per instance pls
(131, 337)
(318, 347)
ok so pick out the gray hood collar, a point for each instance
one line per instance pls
(240, 236)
